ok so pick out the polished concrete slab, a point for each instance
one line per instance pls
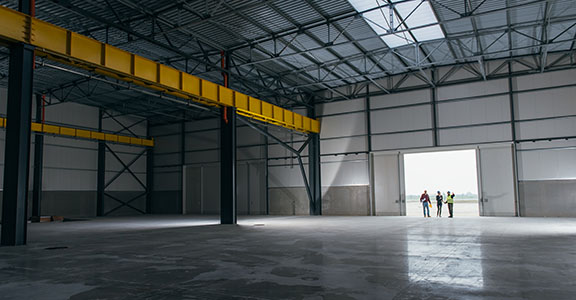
(190, 257)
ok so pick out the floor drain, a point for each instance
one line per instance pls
(56, 248)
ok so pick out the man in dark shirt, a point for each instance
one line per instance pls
(439, 199)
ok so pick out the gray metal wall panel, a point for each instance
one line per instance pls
(350, 173)
(167, 144)
(552, 164)
(68, 180)
(401, 119)
(544, 80)
(201, 125)
(548, 198)
(473, 89)
(341, 107)
(164, 181)
(546, 128)
(344, 145)
(419, 139)
(476, 134)
(166, 159)
(343, 125)
(202, 157)
(285, 176)
(201, 140)
(405, 98)
(484, 110)
(546, 103)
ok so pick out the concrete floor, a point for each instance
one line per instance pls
(186, 257)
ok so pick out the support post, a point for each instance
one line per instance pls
(17, 148)
(228, 166)
(149, 172)
(101, 176)
(38, 163)
(434, 101)
(314, 165)
(182, 163)
(266, 174)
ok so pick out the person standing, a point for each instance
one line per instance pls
(439, 199)
(425, 200)
(450, 202)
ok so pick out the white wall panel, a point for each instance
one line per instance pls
(342, 145)
(285, 176)
(340, 107)
(545, 80)
(402, 140)
(476, 134)
(546, 103)
(343, 125)
(546, 128)
(401, 119)
(412, 97)
(350, 173)
(485, 110)
(553, 164)
(473, 89)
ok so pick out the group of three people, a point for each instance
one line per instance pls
(426, 203)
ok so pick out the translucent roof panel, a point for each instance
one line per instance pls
(381, 26)
(428, 33)
(396, 31)
(416, 13)
(363, 5)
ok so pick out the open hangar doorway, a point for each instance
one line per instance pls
(442, 171)
(496, 181)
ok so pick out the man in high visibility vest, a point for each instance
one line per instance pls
(450, 201)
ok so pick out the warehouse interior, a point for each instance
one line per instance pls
(255, 149)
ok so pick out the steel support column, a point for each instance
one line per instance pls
(149, 172)
(314, 169)
(101, 176)
(228, 166)
(38, 162)
(434, 102)
(182, 153)
(17, 149)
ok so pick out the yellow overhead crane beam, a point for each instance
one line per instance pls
(86, 134)
(65, 46)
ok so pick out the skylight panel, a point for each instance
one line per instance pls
(428, 33)
(406, 15)
(416, 13)
(362, 5)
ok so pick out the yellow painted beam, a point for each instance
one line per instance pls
(86, 134)
(65, 46)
